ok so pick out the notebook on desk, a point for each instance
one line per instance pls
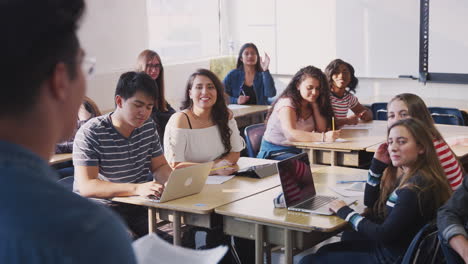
(299, 188)
(185, 181)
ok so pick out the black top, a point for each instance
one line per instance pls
(249, 91)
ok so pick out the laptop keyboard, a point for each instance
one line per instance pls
(316, 202)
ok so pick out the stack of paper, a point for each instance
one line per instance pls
(152, 249)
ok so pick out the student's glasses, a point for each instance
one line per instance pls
(87, 66)
(155, 66)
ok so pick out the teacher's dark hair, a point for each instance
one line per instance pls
(33, 42)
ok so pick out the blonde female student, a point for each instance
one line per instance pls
(302, 113)
(408, 105)
(205, 129)
(343, 84)
(401, 203)
(150, 62)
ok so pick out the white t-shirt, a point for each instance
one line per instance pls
(198, 145)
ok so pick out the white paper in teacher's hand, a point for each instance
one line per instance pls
(358, 126)
(151, 249)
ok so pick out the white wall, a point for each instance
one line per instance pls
(114, 32)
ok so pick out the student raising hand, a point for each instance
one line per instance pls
(265, 62)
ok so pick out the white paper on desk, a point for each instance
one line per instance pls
(344, 191)
(338, 140)
(216, 179)
(236, 106)
(358, 126)
(152, 249)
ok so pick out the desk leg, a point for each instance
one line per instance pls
(334, 158)
(288, 255)
(312, 156)
(176, 226)
(258, 244)
(151, 220)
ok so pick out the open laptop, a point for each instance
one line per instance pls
(184, 182)
(299, 188)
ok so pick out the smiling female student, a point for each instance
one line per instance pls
(343, 83)
(251, 81)
(205, 129)
(408, 105)
(401, 203)
(150, 62)
(302, 113)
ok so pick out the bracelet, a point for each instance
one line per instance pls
(323, 136)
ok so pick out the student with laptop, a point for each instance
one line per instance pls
(302, 113)
(113, 154)
(43, 84)
(400, 203)
(205, 130)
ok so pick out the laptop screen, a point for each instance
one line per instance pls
(296, 179)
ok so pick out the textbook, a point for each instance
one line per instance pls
(153, 249)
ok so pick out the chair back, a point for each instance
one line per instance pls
(253, 138)
(446, 115)
(425, 247)
(379, 111)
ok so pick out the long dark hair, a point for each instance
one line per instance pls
(240, 64)
(143, 58)
(426, 166)
(332, 68)
(220, 111)
(293, 93)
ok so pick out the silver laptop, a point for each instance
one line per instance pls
(299, 189)
(184, 182)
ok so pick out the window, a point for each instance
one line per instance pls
(181, 30)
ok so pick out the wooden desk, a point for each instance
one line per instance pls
(430, 102)
(197, 209)
(256, 218)
(346, 153)
(246, 115)
(59, 158)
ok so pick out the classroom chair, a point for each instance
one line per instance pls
(379, 111)
(425, 247)
(446, 115)
(253, 138)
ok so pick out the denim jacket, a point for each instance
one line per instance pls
(263, 85)
(452, 218)
(42, 222)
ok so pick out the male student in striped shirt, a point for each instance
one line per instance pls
(115, 153)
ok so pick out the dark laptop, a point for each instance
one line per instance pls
(299, 189)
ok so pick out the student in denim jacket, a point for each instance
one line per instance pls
(251, 83)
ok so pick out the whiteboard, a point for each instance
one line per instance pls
(448, 38)
(380, 38)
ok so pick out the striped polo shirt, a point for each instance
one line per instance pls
(120, 159)
(342, 104)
